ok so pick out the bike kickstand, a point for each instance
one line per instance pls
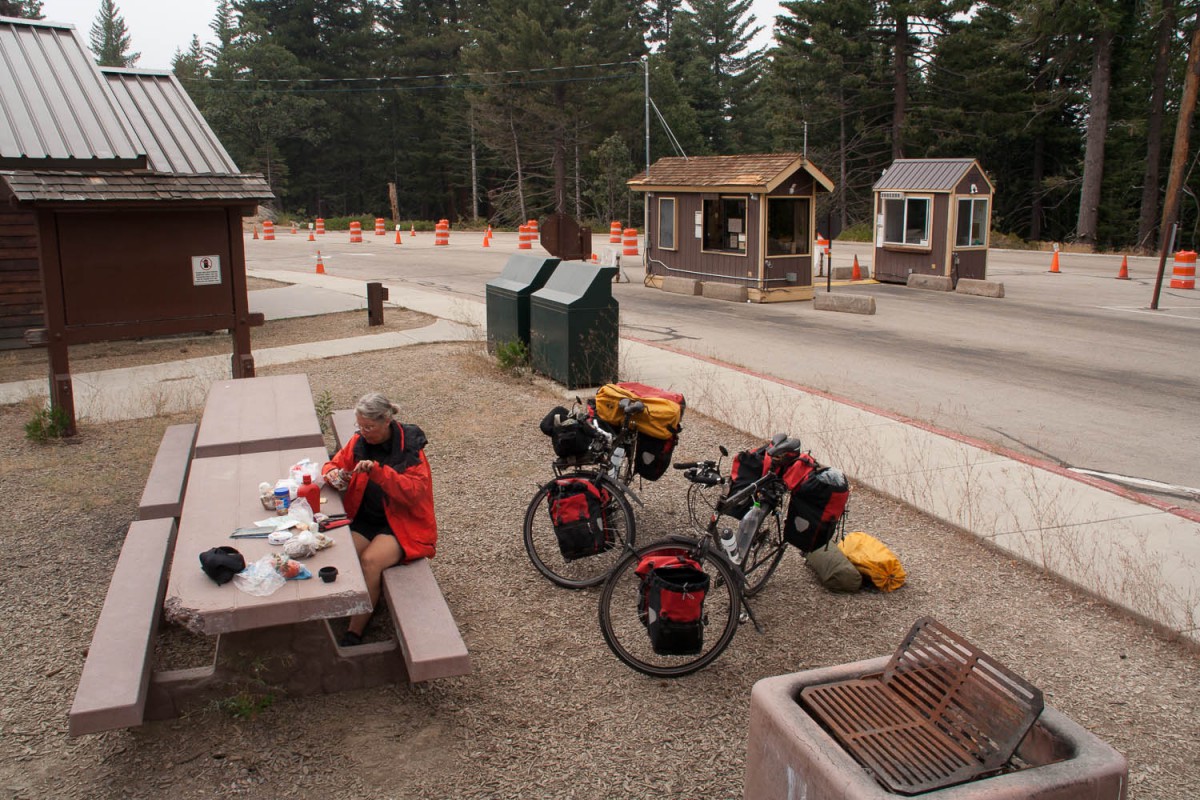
(748, 613)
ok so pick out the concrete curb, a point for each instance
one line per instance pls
(849, 303)
(980, 288)
(724, 291)
(681, 286)
(936, 283)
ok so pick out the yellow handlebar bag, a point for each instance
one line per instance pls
(874, 559)
(663, 414)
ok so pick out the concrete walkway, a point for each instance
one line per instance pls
(1136, 553)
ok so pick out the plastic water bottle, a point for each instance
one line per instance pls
(729, 542)
(618, 457)
(747, 528)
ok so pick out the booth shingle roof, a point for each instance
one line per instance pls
(752, 171)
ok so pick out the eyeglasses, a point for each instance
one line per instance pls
(370, 426)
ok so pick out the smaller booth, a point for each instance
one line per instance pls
(932, 217)
(746, 222)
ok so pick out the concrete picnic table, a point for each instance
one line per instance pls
(282, 640)
(253, 415)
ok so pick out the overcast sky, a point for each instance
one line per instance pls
(157, 28)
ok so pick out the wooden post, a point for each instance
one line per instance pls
(376, 294)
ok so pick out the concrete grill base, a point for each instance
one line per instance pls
(790, 756)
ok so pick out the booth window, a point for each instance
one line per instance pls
(666, 223)
(906, 221)
(725, 224)
(787, 226)
(972, 222)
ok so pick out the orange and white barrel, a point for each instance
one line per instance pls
(380, 228)
(614, 232)
(320, 226)
(524, 238)
(268, 231)
(1183, 275)
(355, 232)
(533, 228)
(630, 245)
(441, 233)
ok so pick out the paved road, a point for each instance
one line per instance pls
(1071, 367)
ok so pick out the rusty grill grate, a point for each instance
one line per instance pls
(941, 713)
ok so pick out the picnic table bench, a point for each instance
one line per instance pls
(202, 486)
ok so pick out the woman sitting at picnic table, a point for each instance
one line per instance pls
(388, 496)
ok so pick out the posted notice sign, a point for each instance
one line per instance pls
(206, 270)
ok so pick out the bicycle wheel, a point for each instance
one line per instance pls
(624, 625)
(701, 504)
(542, 545)
(765, 553)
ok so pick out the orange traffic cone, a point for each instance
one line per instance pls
(413, 231)
(1123, 275)
(311, 238)
(399, 238)
(1054, 264)
(856, 273)
(486, 241)
(256, 231)
(595, 258)
(320, 264)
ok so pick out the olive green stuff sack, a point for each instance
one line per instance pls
(833, 569)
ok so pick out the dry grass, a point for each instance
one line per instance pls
(544, 690)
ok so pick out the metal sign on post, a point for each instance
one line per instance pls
(206, 270)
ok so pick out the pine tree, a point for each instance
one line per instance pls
(110, 38)
(22, 9)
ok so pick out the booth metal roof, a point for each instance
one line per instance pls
(762, 172)
(925, 174)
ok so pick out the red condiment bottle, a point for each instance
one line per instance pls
(310, 492)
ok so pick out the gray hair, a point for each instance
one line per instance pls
(375, 406)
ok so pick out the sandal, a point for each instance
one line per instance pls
(350, 639)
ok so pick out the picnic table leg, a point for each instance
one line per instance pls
(292, 660)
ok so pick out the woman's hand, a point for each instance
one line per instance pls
(364, 466)
(337, 478)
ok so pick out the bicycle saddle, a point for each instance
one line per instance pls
(786, 446)
(628, 406)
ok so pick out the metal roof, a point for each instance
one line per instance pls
(763, 172)
(925, 174)
(55, 109)
(166, 121)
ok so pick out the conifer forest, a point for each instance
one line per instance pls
(504, 110)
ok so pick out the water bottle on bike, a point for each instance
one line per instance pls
(618, 458)
(729, 542)
(747, 528)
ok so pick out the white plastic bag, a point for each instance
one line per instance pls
(259, 578)
(306, 467)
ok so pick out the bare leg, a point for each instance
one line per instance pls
(375, 556)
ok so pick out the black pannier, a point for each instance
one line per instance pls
(653, 456)
(570, 437)
(815, 508)
(577, 513)
(748, 466)
(671, 603)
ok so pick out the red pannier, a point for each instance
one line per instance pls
(671, 602)
(577, 513)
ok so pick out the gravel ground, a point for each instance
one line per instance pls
(548, 711)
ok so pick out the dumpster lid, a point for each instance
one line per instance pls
(579, 284)
(524, 274)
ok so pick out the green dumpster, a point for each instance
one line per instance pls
(573, 326)
(508, 298)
